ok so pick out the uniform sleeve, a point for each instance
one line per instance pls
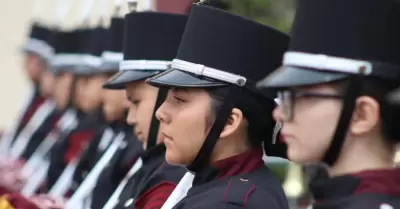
(155, 197)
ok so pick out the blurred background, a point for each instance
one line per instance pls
(15, 25)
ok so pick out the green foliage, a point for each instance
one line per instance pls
(279, 169)
(276, 13)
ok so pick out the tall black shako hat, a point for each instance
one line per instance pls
(222, 49)
(91, 45)
(338, 39)
(40, 42)
(66, 51)
(112, 54)
(150, 43)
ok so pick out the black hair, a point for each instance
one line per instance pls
(256, 109)
(378, 88)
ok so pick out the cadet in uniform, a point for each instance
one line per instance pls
(97, 149)
(214, 121)
(62, 66)
(342, 60)
(39, 53)
(150, 42)
(88, 116)
(115, 113)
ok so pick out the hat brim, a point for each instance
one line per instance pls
(291, 76)
(177, 78)
(119, 80)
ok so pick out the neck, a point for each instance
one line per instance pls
(226, 148)
(363, 154)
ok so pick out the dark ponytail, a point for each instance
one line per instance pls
(258, 112)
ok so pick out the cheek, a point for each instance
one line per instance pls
(93, 94)
(61, 94)
(47, 84)
(61, 87)
(314, 128)
(188, 129)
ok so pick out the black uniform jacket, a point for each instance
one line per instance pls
(33, 105)
(71, 145)
(145, 189)
(374, 189)
(241, 181)
(40, 134)
(88, 158)
(116, 169)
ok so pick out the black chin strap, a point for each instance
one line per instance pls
(71, 96)
(155, 123)
(349, 101)
(203, 157)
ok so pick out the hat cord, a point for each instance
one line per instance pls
(202, 159)
(349, 102)
(155, 123)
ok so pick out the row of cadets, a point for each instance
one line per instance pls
(88, 67)
(342, 62)
(100, 157)
(43, 115)
(61, 67)
(115, 112)
(69, 158)
(150, 42)
(65, 154)
(82, 56)
(121, 149)
(66, 67)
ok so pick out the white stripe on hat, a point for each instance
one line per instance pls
(40, 47)
(109, 56)
(327, 63)
(202, 70)
(155, 65)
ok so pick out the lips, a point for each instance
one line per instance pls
(285, 138)
(166, 136)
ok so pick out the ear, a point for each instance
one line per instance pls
(365, 116)
(233, 123)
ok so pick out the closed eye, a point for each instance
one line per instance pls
(179, 100)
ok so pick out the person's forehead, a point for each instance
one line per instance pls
(320, 87)
(135, 88)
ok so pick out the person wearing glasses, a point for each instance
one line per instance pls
(342, 60)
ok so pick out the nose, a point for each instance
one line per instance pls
(131, 118)
(161, 114)
(278, 114)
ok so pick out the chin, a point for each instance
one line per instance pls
(296, 156)
(173, 158)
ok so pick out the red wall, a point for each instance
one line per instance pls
(173, 6)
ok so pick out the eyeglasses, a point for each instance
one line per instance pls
(287, 98)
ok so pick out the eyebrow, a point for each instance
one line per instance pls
(179, 89)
